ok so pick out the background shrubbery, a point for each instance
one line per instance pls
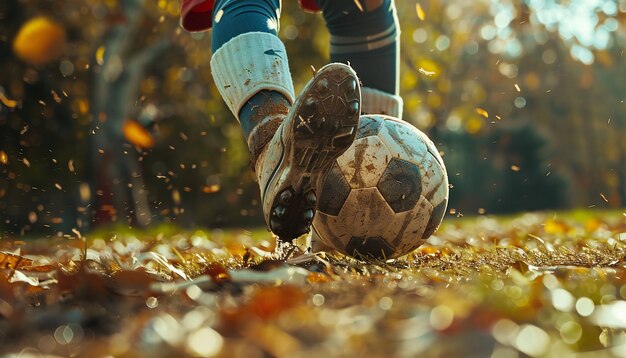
(525, 99)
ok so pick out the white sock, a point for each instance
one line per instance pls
(375, 101)
(249, 63)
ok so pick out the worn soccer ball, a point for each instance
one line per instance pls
(385, 195)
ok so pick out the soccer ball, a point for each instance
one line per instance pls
(385, 195)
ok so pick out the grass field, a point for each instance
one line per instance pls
(535, 284)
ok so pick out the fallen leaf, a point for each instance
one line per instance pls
(136, 134)
(482, 112)
(420, 12)
(217, 272)
(100, 55)
(131, 282)
(8, 102)
(11, 261)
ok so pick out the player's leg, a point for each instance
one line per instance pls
(245, 45)
(367, 34)
(292, 141)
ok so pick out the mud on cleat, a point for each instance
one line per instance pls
(320, 126)
(290, 148)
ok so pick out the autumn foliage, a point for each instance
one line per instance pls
(534, 284)
(136, 134)
(39, 41)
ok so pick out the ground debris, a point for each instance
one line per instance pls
(534, 284)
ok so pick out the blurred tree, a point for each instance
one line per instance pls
(124, 56)
(35, 183)
(472, 67)
(522, 96)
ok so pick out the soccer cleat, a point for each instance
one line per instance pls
(320, 126)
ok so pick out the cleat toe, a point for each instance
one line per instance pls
(322, 85)
(275, 226)
(352, 84)
(311, 198)
(285, 198)
(279, 211)
(309, 107)
(320, 127)
(353, 108)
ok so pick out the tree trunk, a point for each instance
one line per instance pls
(118, 191)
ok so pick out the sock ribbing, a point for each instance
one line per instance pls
(374, 101)
(249, 63)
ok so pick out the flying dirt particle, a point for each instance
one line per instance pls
(420, 12)
(209, 189)
(425, 72)
(358, 5)
(8, 102)
(482, 112)
(100, 55)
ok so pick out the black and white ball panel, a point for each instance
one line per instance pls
(435, 219)
(368, 126)
(432, 178)
(335, 190)
(365, 213)
(433, 150)
(400, 184)
(403, 140)
(331, 230)
(364, 162)
(409, 225)
(386, 194)
(368, 247)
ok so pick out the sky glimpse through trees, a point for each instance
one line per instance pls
(108, 111)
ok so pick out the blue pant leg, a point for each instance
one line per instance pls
(232, 18)
(367, 38)
(235, 17)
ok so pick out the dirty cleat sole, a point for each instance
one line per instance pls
(321, 125)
